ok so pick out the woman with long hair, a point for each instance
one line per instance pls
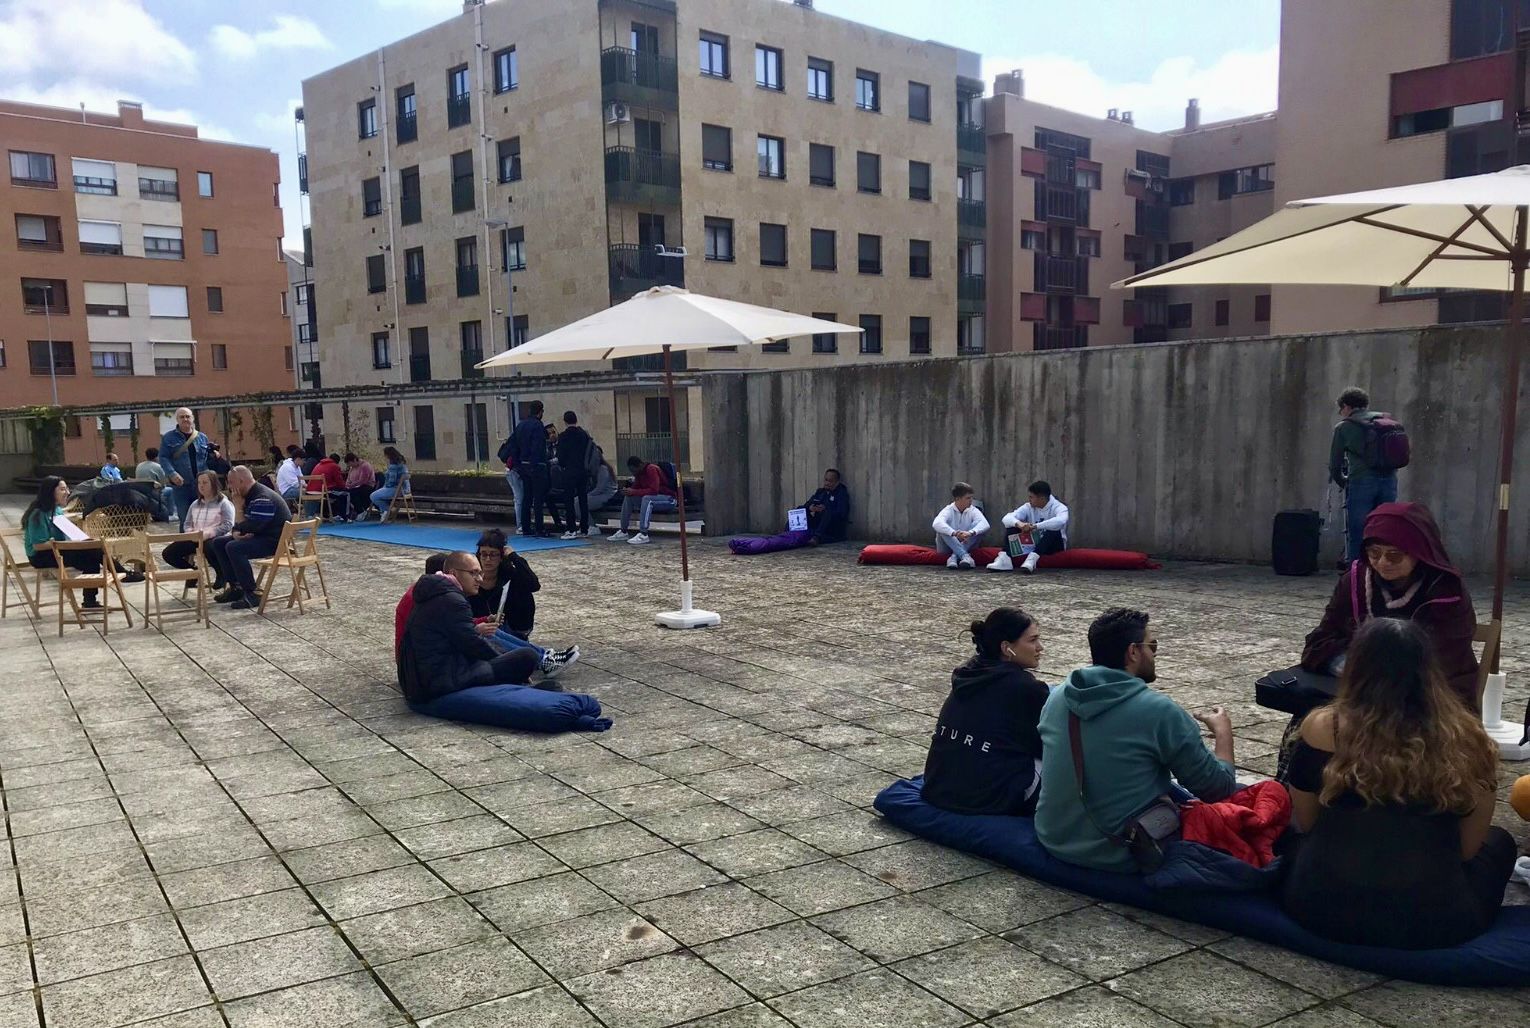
(1392, 789)
(985, 756)
(395, 483)
(37, 530)
(212, 514)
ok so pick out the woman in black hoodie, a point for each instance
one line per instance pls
(985, 757)
(508, 585)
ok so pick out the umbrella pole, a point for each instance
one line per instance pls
(687, 616)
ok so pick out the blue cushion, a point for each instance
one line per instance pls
(1500, 956)
(518, 706)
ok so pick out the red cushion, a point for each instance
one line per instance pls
(899, 553)
(1100, 560)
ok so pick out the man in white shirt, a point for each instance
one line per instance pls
(289, 476)
(959, 527)
(1040, 527)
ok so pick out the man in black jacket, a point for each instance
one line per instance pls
(573, 468)
(265, 515)
(443, 651)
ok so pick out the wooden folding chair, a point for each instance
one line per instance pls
(315, 491)
(297, 551)
(17, 571)
(402, 504)
(154, 573)
(1490, 634)
(104, 581)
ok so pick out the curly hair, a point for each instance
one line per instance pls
(1401, 737)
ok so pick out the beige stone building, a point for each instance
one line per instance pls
(583, 151)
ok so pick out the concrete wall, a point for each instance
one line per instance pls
(1180, 449)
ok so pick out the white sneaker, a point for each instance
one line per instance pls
(619, 537)
(967, 562)
(594, 531)
(951, 562)
(569, 535)
(1031, 560)
(1002, 563)
(639, 540)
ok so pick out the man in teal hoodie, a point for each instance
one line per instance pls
(1134, 740)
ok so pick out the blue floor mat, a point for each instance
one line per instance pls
(434, 537)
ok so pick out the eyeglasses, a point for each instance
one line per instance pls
(1389, 555)
(1148, 645)
(489, 555)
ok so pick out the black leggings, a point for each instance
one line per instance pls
(178, 555)
(87, 561)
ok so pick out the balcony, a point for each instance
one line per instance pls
(98, 186)
(459, 110)
(971, 294)
(467, 280)
(1153, 220)
(971, 143)
(408, 128)
(308, 374)
(971, 219)
(634, 268)
(1054, 337)
(419, 367)
(1058, 204)
(1061, 170)
(303, 173)
(1061, 274)
(159, 189)
(651, 446)
(645, 177)
(470, 358)
(641, 79)
(414, 289)
(307, 333)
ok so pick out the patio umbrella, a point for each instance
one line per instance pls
(661, 320)
(1460, 233)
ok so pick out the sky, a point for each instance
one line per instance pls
(235, 69)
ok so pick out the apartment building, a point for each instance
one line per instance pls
(521, 166)
(1079, 202)
(143, 263)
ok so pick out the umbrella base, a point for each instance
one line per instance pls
(1506, 734)
(688, 616)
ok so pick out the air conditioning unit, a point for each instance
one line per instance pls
(1133, 173)
(675, 251)
(1155, 184)
(617, 112)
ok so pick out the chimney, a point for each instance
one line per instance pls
(130, 113)
(1126, 117)
(468, 5)
(1193, 114)
(1011, 82)
(1112, 115)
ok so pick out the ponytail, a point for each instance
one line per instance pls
(1003, 625)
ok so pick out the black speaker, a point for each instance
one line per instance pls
(1294, 542)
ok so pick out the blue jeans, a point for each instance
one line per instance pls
(646, 506)
(951, 544)
(384, 496)
(518, 491)
(504, 642)
(183, 496)
(1361, 496)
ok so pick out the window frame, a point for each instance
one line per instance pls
(764, 58)
(869, 323)
(861, 263)
(213, 238)
(912, 336)
(873, 79)
(387, 351)
(833, 176)
(784, 252)
(215, 293)
(507, 70)
(817, 235)
(825, 342)
(366, 118)
(865, 159)
(817, 66)
(379, 284)
(30, 180)
(710, 163)
(762, 147)
(512, 241)
(713, 230)
(371, 207)
(913, 270)
(927, 194)
(929, 100)
(712, 44)
(207, 177)
(509, 148)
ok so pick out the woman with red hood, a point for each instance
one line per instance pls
(1404, 574)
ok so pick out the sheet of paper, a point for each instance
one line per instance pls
(71, 531)
(796, 519)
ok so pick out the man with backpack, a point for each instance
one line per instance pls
(654, 490)
(1368, 447)
(578, 457)
(527, 448)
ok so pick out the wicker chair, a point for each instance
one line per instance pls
(124, 526)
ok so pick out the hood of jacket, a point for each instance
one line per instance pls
(433, 587)
(982, 672)
(1090, 691)
(1411, 528)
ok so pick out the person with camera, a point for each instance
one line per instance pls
(1111, 747)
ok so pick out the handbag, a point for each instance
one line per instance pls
(1147, 831)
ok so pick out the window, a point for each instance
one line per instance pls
(918, 258)
(868, 90)
(1177, 250)
(371, 197)
(507, 70)
(1222, 312)
(459, 98)
(509, 157)
(210, 240)
(513, 248)
(424, 432)
(772, 156)
(719, 235)
(284, 303)
(918, 180)
(106, 299)
(205, 187)
(377, 274)
(408, 127)
(1180, 315)
(1245, 180)
(520, 330)
(38, 232)
(1088, 244)
(869, 254)
(381, 357)
(110, 363)
(168, 302)
(462, 181)
(918, 335)
(366, 119)
(714, 55)
(33, 169)
(871, 333)
(767, 67)
(58, 361)
(825, 342)
(820, 84)
(717, 147)
(1440, 118)
(414, 275)
(409, 196)
(100, 237)
(868, 172)
(219, 357)
(471, 333)
(215, 299)
(385, 432)
(821, 164)
(1181, 192)
(98, 177)
(467, 266)
(419, 355)
(1262, 307)
(824, 247)
(287, 358)
(779, 346)
(163, 242)
(918, 101)
(772, 245)
(304, 291)
(1087, 178)
(1033, 239)
(45, 296)
(969, 335)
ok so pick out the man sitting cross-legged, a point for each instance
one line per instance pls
(1039, 526)
(959, 527)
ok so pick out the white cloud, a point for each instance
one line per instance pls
(278, 124)
(110, 38)
(101, 99)
(444, 8)
(289, 33)
(1238, 83)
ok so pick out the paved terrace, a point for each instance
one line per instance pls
(245, 826)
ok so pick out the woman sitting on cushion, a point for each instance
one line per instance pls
(1393, 788)
(985, 757)
(1405, 574)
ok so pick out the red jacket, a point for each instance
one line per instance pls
(401, 618)
(650, 482)
(333, 477)
(1245, 825)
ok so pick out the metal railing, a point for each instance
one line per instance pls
(408, 128)
(163, 249)
(1152, 220)
(101, 186)
(634, 268)
(622, 66)
(409, 210)
(971, 287)
(1060, 274)
(627, 164)
(470, 358)
(1061, 170)
(972, 213)
(307, 333)
(419, 367)
(1053, 337)
(1057, 204)
(414, 289)
(158, 189)
(651, 446)
(971, 138)
(462, 195)
(459, 110)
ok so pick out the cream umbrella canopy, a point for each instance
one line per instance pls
(1461, 233)
(661, 320)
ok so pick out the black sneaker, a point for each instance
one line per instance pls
(91, 603)
(229, 595)
(246, 601)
